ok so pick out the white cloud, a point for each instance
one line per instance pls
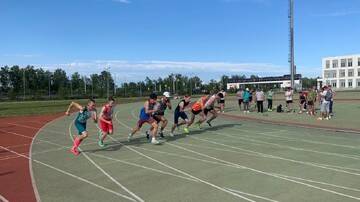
(22, 55)
(251, 1)
(138, 70)
(122, 1)
(337, 13)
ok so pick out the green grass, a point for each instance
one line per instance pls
(280, 163)
(346, 114)
(46, 107)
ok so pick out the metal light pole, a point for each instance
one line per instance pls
(114, 85)
(291, 42)
(92, 87)
(140, 93)
(85, 84)
(49, 86)
(24, 84)
(71, 89)
(174, 84)
(107, 82)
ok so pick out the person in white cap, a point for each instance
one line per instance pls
(159, 115)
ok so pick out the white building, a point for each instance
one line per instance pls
(276, 82)
(342, 72)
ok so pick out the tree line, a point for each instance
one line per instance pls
(30, 83)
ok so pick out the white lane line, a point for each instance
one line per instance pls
(3, 199)
(266, 173)
(32, 138)
(294, 139)
(317, 165)
(35, 128)
(104, 172)
(255, 153)
(256, 196)
(355, 157)
(72, 175)
(317, 182)
(237, 167)
(33, 181)
(177, 170)
(144, 167)
(3, 158)
(258, 171)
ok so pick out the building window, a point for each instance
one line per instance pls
(328, 64)
(335, 63)
(342, 84)
(349, 62)
(334, 74)
(350, 84)
(333, 84)
(343, 63)
(342, 73)
(359, 62)
(350, 73)
(358, 83)
(358, 72)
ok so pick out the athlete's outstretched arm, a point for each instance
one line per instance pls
(169, 104)
(146, 106)
(73, 104)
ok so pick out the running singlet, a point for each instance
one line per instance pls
(223, 98)
(212, 98)
(107, 112)
(143, 115)
(178, 106)
(162, 107)
(83, 116)
(199, 104)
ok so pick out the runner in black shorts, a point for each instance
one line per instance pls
(180, 113)
(159, 115)
(222, 101)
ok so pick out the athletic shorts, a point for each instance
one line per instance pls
(325, 107)
(222, 101)
(159, 114)
(105, 127)
(81, 127)
(289, 101)
(157, 117)
(207, 110)
(141, 122)
(302, 101)
(178, 115)
(196, 112)
(310, 103)
(240, 101)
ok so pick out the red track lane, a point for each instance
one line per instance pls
(15, 178)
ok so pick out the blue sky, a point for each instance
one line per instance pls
(208, 38)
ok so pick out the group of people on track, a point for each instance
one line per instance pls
(185, 112)
(307, 101)
(152, 113)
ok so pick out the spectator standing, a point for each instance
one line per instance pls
(246, 99)
(260, 97)
(239, 96)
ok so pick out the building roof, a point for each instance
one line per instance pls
(264, 79)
